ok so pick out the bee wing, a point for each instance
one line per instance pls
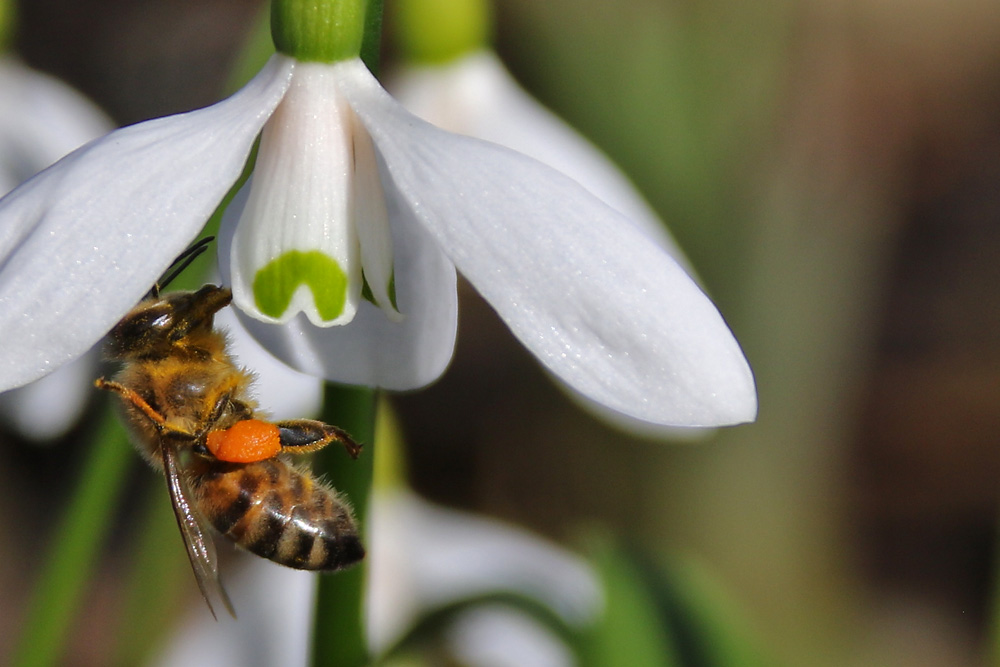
(200, 548)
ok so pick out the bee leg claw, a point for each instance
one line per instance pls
(300, 436)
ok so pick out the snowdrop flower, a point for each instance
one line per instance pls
(420, 556)
(344, 254)
(425, 556)
(41, 120)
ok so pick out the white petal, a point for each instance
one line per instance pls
(590, 295)
(372, 221)
(476, 95)
(423, 555)
(47, 408)
(81, 242)
(499, 636)
(281, 392)
(373, 350)
(301, 201)
(41, 120)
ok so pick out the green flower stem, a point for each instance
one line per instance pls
(158, 578)
(371, 45)
(339, 638)
(325, 31)
(78, 539)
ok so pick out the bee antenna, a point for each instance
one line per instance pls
(182, 261)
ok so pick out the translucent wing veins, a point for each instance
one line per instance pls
(199, 545)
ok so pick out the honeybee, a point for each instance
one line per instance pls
(188, 408)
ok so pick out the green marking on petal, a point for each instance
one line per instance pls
(392, 291)
(369, 296)
(274, 285)
(366, 290)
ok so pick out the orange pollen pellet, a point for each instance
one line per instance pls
(245, 442)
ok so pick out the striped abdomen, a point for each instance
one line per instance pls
(279, 513)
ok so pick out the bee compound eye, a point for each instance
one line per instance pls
(141, 329)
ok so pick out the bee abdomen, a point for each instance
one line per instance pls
(282, 514)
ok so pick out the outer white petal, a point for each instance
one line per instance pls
(41, 120)
(476, 95)
(300, 198)
(82, 241)
(590, 295)
(372, 350)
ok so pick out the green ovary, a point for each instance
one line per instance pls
(274, 285)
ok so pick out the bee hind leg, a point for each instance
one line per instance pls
(300, 436)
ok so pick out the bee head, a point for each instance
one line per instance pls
(158, 325)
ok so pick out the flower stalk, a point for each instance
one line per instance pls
(318, 31)
(339, 636)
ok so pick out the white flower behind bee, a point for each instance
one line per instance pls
(421, 556)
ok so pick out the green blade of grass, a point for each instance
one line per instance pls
(71, 559)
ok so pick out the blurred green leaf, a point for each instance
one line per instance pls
(159, 581)
(77, 540)
(665, 613)
(631, 631)
(709, 628)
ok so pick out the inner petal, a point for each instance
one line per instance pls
(372, 223)
(296, 247)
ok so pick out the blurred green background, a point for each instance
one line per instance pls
(832, 170)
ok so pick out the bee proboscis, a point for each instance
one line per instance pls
(190, 414)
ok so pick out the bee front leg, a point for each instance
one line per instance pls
(300, 436)
(131, 396)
